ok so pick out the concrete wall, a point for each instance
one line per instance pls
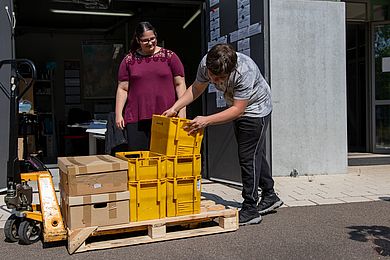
(308, 81)
(5, 72)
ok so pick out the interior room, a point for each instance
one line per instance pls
(77, 51)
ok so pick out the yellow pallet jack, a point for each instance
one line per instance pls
(28, 222)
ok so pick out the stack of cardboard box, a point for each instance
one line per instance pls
(93, 191)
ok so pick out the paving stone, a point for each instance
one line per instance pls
(299, 203)
(355, 199)
(321, 201)
(334, 195)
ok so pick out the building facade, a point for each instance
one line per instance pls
(328, 64)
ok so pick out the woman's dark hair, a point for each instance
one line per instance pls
(139, 30)
(221, 59)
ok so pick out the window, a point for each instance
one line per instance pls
(356, 11)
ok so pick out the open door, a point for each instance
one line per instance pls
(381, 87)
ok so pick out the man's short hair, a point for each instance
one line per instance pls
(221, 59)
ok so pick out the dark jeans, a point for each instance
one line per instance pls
(138, 135)
(255, 171)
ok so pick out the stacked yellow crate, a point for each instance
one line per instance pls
(166, 180)
(183, 184)
(147, 184)
(170, 138)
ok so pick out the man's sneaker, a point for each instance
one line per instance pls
(248, 216)
(269, 203)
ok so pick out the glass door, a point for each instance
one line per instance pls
(381, 87)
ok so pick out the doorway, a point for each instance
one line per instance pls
(381, 87)
(357, 90)
(368, 75)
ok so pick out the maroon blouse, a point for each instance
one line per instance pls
(151, 85)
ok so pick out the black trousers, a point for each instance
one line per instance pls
(255, 170)
(138, 135)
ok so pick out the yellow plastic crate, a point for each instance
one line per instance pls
(183, 196)
(147, 200)
(184, 166)
(168, 137)
(144, 165)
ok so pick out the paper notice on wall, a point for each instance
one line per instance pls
(213, 2)
(386, 64)
(222, 39)
(243, 14)
(233, 36)
(214, 34)
(212, 88)
(214, 14)
(242, 33)
(242, 3)
(220, 99)
(214, 23)
(243, 44)
(244, 21)
(254, 29)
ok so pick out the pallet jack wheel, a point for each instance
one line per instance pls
(29, 231)
(11, 228)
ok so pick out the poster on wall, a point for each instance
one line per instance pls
(100, 69)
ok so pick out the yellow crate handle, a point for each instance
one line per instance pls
(174, 189)
(136, 170)
(138, 190)
(159, 170)
(175, 162)
(177, 130)
(193, 163)
(158, 191)
(195, 190)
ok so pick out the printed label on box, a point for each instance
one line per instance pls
(97, 185)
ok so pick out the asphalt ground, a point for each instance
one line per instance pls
(342, 231)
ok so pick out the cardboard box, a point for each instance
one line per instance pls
(88, 175)
(95, 210)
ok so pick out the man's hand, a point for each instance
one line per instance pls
(197, 124)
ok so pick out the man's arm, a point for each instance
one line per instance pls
(225, 116)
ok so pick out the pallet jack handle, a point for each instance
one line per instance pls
(13, 165)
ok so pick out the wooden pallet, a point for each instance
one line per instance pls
(131, 233)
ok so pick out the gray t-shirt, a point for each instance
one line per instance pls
(246, 82)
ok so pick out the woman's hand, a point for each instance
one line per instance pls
(170, 112)
(120, 122)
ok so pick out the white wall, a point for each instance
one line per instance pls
(308, 81)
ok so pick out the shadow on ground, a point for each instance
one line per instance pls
(378, 235)
(218, 200)
(385, 198)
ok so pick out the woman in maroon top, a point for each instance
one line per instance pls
(150, 79)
